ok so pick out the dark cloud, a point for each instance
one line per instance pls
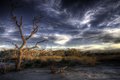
(91, 33)
(75, 21)
(2, 30)
(109, 39)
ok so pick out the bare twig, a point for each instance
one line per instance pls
(34, 29)
(36, 45)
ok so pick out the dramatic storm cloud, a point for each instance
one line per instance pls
(65, 23)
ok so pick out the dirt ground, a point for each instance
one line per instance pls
(74, 73)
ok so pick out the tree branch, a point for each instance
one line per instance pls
(19, 25)
(34, 29)
(16, 46)
(36, 45)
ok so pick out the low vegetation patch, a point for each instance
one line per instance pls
(44, 58)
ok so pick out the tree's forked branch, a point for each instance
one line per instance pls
(34, 29)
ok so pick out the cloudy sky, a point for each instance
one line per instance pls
(88, 24)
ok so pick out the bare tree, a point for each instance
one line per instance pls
(19, 25)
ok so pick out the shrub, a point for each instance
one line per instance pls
(72, 52)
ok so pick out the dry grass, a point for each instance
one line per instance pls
(45, 56)
(50, 58)
(83, 59)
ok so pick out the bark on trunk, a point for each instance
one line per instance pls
(19, 60)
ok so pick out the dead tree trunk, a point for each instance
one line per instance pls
(19, 60)
(19, 25)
